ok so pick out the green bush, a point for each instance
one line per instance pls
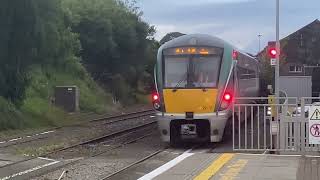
(92, 97)
(143, 99)
(36, 109)
(41, 114)
(10, 116)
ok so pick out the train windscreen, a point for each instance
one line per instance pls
(191, 71)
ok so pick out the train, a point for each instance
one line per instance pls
(197, 78)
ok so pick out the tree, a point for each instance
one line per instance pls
(32, 32)
(170, 36)
(117, 45)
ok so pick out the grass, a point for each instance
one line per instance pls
(37, 112)
(36, 105)
(92, 97)
(38, 151)
(10, 116)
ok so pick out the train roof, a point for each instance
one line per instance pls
(200, 40)
(195, 40)
(250, 56)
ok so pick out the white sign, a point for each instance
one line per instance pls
(274, 127)
(273, 62)
(314, 125)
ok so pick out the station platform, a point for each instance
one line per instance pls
(227, 166)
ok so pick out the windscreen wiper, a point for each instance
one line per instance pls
(204, 89)
(200, 85)
(184, 78)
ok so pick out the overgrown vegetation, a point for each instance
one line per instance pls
(118, 47)
(45, 43)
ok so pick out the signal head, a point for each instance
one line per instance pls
(273, 52)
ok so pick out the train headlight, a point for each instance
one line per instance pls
(155, 97)
(156, 101)
(224, 105)
(156, 105)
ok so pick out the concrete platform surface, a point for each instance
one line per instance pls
(227, 166)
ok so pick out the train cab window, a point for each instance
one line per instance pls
(246, 73)
(205, 71)
(176, 71)
(191, 71)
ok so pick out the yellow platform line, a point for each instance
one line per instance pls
(214, 167)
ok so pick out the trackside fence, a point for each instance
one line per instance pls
(276, 125)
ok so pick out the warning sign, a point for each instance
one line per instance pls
(315, 130)
(315, 115)
(314, 125)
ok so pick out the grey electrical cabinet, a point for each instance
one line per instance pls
(67, 98)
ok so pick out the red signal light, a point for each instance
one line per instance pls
(273, 52)
(227, 97)
(235, 55)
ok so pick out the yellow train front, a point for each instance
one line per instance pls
(196, 81)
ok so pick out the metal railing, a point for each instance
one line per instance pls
(282, 127)
(303, 138)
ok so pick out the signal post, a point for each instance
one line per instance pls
(273, 54)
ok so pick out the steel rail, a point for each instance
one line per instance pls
(144, 159)
(97, 154)
(110, 135)
(134, 163)
(123, 117)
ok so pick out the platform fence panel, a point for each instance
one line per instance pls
(259, 126)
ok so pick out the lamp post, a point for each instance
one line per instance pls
(259, 36)
(258, 54)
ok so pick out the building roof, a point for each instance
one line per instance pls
(313, 23)
(295, 39)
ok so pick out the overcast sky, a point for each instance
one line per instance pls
(236, 21)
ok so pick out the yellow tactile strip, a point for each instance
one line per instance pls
(214, 167)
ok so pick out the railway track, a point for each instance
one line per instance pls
(134, 163)
(105, 151)
(91, 141)
(142, 160)
(45, 134)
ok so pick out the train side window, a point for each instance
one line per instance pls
(244, 73)
(231, 81)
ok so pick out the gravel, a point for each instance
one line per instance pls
(109, 162)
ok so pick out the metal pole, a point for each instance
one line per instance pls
(275, 137)
(259, 35)
(259, 57)
(278, 50)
